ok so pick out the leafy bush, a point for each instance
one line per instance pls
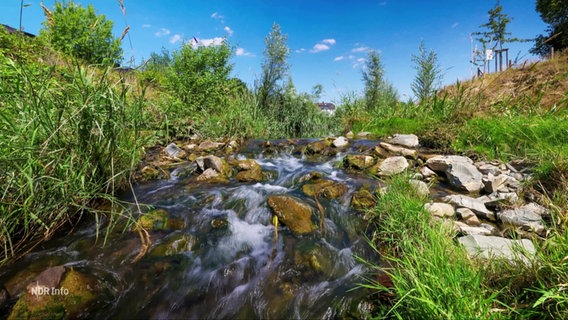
(81, 33)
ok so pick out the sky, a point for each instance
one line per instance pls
(329, 40)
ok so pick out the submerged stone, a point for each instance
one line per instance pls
(292, 212)
(156, 220)
(363, 199)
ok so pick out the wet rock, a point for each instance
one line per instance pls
(215, 163)
(292, 212)
(49, 278)
(468, 217)
(350, 135)
(173, 151)
(475, 205)
(317, 146)
(528, 218)
(179, 244)
(150, 173)
(156, 220)
(358, 161)
(420, 187)
(248, 164)
(326, 188)
(220, 223)
(314, 175)
(407, 140)
(491, 247)
(340, 142)
(408, 153)
(255, 175)
(381, 152)
(363, 199)
(208, 145)
(70, 298)
(391, 166)
(439, 209)
(460, 171)
(212, 176)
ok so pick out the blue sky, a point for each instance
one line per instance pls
(329, 40)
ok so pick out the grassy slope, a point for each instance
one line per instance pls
(520, 113)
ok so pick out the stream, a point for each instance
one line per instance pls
(222, 259)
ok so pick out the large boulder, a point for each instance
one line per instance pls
(407, 140)
(292, 212)
(250, 171)
(460, 172)
(491, 247)
(397, 150)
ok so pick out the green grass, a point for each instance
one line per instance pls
(68, 136)
(432, 276)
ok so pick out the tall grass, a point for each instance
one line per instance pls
(432, 276)
(68, 135)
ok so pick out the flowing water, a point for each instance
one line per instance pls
(225, 259)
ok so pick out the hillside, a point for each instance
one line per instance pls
(542, 84)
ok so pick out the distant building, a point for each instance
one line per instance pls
(14, 30)
(326, 107)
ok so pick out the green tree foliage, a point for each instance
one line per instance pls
(81, 33)
(429, 74)
(378, 92)
(274, 66)
(199, 76)
(555, 14)
(156, 67)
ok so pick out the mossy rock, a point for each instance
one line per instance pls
(157, 220)
(317, 146)
(314, 175)
(76, 293)
(363, 199)
(292, 212)
(358, 161)
(254, 175)
(326, 188)
(176, 245)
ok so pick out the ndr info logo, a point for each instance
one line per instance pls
(39, 290)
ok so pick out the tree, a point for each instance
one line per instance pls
(555, 14)
(377, 90)
(494, 33)
(81, 33)
(200, 76)
(274, 66)
(429, 74)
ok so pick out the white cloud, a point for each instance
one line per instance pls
(323, 45)
(175, 38)
(339, 58)
(216, 15)
(217, 41)
(300, 50)
(162, 32)
(361, 60)
(351, 57)
(319, 48)
(241, 52)
(228, 30)
(358, 63)
(360, 49)
(455, 25)
(146, 25)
